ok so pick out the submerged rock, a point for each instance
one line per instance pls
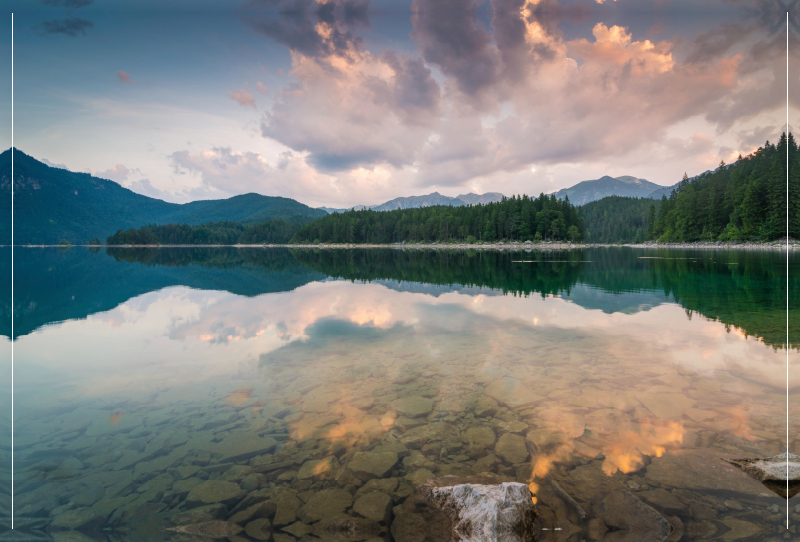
(636, 521)
(779, 473)
(209, 529)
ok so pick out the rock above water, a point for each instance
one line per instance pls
(636, 521)
(774, 472)
(448, 510)
(413, 407)
(374, 464)
(488, 513)
(512, 448)
(213, 491)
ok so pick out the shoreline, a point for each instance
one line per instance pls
(527, 246)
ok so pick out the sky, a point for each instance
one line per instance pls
(349, 102)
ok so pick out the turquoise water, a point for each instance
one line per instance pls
(279, 390)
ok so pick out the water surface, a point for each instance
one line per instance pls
(307, 379)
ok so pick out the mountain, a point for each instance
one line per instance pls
(586, 191)
(667, 190)
(428, 200)
(51, 204)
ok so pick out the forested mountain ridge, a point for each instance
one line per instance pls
(616, 219)
(743, 201)
(515, 218)
(51, 204)
(746, 200)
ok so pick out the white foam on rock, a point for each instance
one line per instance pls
(488, 513)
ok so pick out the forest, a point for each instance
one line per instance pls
(214, 233)
(745, 200)
(617, 219)
(515, 218)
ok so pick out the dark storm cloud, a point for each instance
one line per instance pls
(450, 36)
(293, 23)
(415, 92)
(715, 43)
(69, 4)
(509, 34)
(71, 26)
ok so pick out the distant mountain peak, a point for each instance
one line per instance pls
(427, 200)
(625, 185)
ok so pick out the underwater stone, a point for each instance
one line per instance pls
(413, 407)
(318, 468)
(512, 448)
(286, 510)
(259, 529)
(512, 393)
(213, 491)
(200, 514)
(325, 503)
(343, 527)
(75, 519)
(480, 436)
(376, 506)
(374, 464)
(210, 529)
(636, 521)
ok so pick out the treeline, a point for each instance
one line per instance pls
(745, 200)
(617, 219)
(215, 233)
(516, 218)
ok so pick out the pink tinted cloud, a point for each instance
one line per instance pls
(243, 98)
(124, 77)
(262, 88)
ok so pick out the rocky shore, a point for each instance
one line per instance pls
(557, 245)
(499, 245)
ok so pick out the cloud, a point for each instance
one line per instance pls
(51, 164)
(124, 77)
(69, 4)
(146, 188)
(243, 98)
(118, 173)
(71, 26)
(449, 36)
(355, 110)
(307, 26)
(262, 88)
(756, 137)
(224, 172)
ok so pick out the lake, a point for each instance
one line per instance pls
(283, 390)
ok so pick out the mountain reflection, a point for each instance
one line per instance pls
(745, 290)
